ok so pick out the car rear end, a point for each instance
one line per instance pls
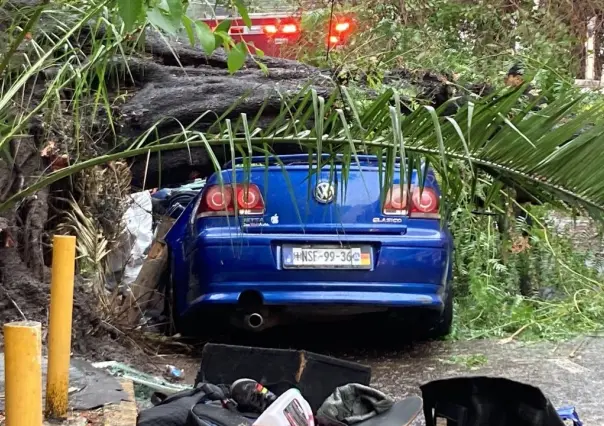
(282, 238)
(272, 33)
(276, 33)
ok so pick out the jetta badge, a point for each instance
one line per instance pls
(324, 192)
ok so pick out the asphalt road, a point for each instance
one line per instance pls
(570, 373)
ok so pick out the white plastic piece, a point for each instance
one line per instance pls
(137, 236)
(290, 409)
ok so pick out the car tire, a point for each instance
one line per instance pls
(441, 326)
(175, 324)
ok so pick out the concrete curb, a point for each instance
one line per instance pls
(124, 413)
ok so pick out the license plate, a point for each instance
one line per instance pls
(322, 257)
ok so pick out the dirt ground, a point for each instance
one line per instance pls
(94, 337)
(569, 373)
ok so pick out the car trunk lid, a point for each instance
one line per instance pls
(332, 200)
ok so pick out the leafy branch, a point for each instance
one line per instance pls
(170, 17)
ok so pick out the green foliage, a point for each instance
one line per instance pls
(130, 11)
(524, 151)
(475, 41)
(236, 57)
(56, 51)
(206, 37)
(243, 13)
(167, 16)
(170, 17)
(565, 294)
(53, 46)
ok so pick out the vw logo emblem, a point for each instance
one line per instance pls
(324, 192)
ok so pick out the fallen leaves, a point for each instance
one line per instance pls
(57, 160)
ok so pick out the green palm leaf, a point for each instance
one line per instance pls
(552, 152)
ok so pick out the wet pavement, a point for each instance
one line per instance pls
(568, 373)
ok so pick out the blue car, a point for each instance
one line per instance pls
(279, 241)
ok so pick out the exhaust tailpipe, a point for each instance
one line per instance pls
(254, 321)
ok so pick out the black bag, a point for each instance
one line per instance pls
(472, 401)
(214, 414)
(202, 406)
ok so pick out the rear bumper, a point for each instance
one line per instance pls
(407, 271)
(322, 293)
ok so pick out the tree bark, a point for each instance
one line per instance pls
(179, 86)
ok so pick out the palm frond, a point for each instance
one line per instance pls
(553, 151)
(92, 246)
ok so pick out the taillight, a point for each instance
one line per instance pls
(270, 29)
(289, 29)
(340, 30)
(401, 200)
(396, 201)
(424, 203)
(249, 197)
(219, 200)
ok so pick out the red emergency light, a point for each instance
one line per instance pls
(281, 29)
(340, 29)
(289, 29)
(270, 29)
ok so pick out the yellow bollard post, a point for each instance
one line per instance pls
(23, 373)
(59, 329)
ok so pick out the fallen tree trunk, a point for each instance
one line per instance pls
(181, 87)
(180, 83)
